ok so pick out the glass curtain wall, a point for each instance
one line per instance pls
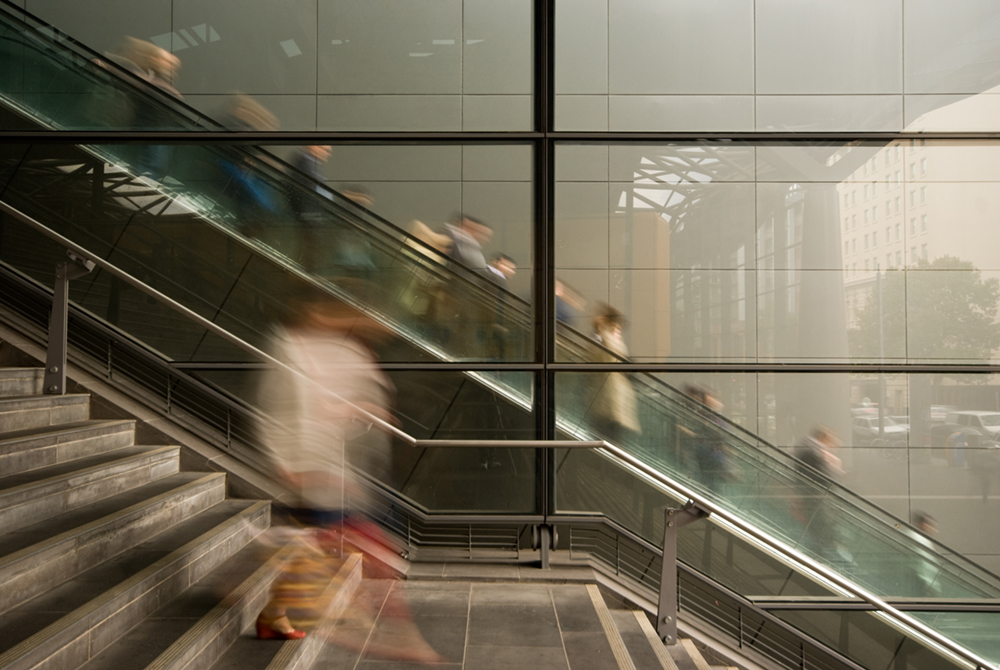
(848, 278)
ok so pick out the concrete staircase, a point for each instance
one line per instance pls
(110, 555)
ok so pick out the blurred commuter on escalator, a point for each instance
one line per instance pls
(256, 204)
(819, 468)
(159, 67)
(463, 315)
(613, 406)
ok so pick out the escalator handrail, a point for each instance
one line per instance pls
(787, 554)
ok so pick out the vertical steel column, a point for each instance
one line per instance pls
(544, 263)
(55, 356)
(666, 615)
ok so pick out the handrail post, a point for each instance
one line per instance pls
(55, 356)
(666, 615)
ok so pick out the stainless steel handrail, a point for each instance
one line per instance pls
(788, 554)
(795, 557)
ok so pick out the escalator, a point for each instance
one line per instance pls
(195, 236)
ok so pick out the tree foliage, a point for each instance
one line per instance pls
(938, 310)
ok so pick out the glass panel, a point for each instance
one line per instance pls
(741, 66)
(866, 639)
(372, 65)
(237, 235)
(775, 252)
(804, 507)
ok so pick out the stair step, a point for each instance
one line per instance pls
(687, 656)
(21, 381)
(71, 623)
(614, 638)
(25, 450)
(46, 554)
(35, 411)
(196, 626)
(33, 496)
(644, 647)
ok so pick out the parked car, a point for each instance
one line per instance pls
(986, 422)
(865, 431)
(939, 413)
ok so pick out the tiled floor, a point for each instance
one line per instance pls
(472, 626)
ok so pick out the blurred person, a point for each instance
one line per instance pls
(468, 235)
(983, 459)
(255, 203)
(569, 303)
(500, 269)
(315, 411)
(159, 67)
(322, 411)
(307, 205)
(925, 567)
(819, 468)
(613, 408)
(704, 448)
(463, 316)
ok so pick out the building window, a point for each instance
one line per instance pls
(913, 170)
(899, 151)
(923, 166)
(854, 246)
(899, 179)
(846, 222)
(899, 258)
(888, 234)
(913, 198)
(888, 156)
(854, 221)
(866, 265)
(897, 205)
(875, 213)
(888, 260)
(866, 242)
(854, 269)
(913, 254)
(923, 195)
(875, 239)
(868, 217)
(899, 231)
(923, 223)
(888, 182)
(846, 203)
(847, 248)
(913, 226)
(888, 207)
(874, 162)
(923, 251)
(854, 197)
(868, 191)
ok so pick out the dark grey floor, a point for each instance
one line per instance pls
(471, 626)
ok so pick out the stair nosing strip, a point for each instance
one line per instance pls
(654, 641)
(618, 647)
(150, 455)
(294, 652)
(47, 544)
(42, 637)
(695, 654)
(61, 429)
(181, 646)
